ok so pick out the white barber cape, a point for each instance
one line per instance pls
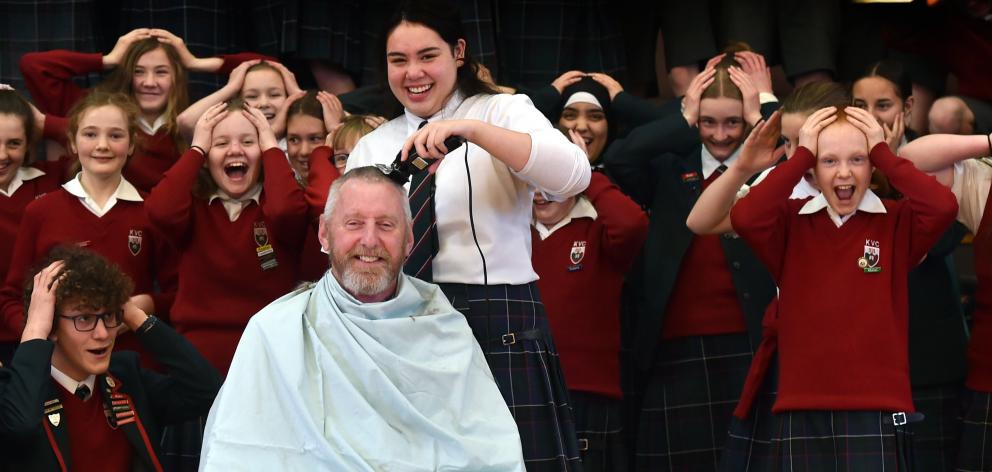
(321, 381)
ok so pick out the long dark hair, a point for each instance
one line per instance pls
(445, 19)
(13, 103)
(893, 71)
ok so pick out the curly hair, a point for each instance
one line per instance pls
(87, 279)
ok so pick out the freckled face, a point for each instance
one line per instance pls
(843, 170)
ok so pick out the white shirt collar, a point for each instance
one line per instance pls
(233, 206)
(446, 112)
(583, 208)
(151, 128)
(71, 384)
(870, 203)
(24, 173)
(711, 164)
(125, 191)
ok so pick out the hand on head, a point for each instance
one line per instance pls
(761, 150)
(333, 110)
(279, 122)
(188, 60)
(41, 311)
(868, 125)
(609, 83)
(266, 137)
(288, 78)
(236, 81)
(751, 102)
(811, 129)
(203, 132)
(116, 55)
(693, 95)
(753, 64)
(566, 79)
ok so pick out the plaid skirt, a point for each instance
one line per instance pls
(815, 441)
(179, 448)
(935, 439)
(599, 427)
(511, 326)
(687, 406)
(975, 453)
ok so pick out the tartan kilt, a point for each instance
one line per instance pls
(975, 453)
(685, 414)
(527, 371)
(599, 427)
(179, 448)
(935, 439)
(813, 441)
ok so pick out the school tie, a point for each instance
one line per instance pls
(82, 391)
(425, 241)
(720, 169)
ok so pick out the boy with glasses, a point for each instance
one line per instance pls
(67, 401)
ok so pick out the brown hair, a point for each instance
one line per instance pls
(814, 96)
(97, 99)
(307, 105)
(205, 185)
(352, 128)
(87, 279)
(12, 103)
(722, 86)
(122, 80)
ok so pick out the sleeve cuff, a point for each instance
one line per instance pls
(765, 97)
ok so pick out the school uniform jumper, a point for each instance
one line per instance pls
(830, 375)
(313, 262)
(582, 263)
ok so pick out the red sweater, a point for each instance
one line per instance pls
(980, 347)
(704, 300)
(12, 207)
(582, 298)
(123, 235)
(843, 341)
(93, 446)
(48, 75)
(221, 280)
(313, 262)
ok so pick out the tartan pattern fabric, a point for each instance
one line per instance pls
(599, 428)
(180, 445)
(527, 372)
(935, 445)
(43, 25)
(695, 385)
(814, 441)
(975, 453)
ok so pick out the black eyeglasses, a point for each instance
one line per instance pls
(340, 159)
(85, 323)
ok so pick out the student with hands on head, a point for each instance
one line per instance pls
(860, 249)
(68, 401)
(238, 234)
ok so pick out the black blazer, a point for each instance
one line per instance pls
(654, 165)
(33, 438)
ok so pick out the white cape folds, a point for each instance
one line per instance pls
(322, 382)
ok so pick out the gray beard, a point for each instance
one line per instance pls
(365, 284)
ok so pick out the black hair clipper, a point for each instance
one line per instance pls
(400, 171)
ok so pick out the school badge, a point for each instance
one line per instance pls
(578, 252)
(55, 419)
(869, 263)
(261, 234)
(134, 241)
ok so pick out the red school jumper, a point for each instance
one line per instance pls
(221, 279)
(582, 266)
(843, 301)
(313, 262)
(123, 235)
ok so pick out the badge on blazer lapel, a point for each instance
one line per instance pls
(55, 419)
(869, 263)
(134, 241)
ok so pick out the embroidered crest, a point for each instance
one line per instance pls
(869, 263)
(55, 419)
(578, 252)
(134, 241)
(261, 234)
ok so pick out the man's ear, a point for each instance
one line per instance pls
(322, 235)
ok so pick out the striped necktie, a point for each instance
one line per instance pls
(425, 241)
(82, 391)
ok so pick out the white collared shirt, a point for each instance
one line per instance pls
(972, 181)
(711, 164)
(583, 208)
(125, 191)
(503, 199)
(233, 206)
(71, 384)
(151, 128)
(870, 203)
(24, 173)
(801, 191)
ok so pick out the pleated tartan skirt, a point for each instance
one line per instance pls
(975, 450)
(527, 370)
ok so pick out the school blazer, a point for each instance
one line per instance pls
(32, 441)
(655, 166)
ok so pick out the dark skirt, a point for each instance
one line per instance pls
(694, 387)
(599, 427)
(511, 326)
(180, 446)
(815, 441)
(975, 452)
(935, 446)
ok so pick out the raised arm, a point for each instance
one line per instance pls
(188, 118)
(625, 226)
(711, 213)
(936, 154)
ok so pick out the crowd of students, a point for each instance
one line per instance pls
(725, 281)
